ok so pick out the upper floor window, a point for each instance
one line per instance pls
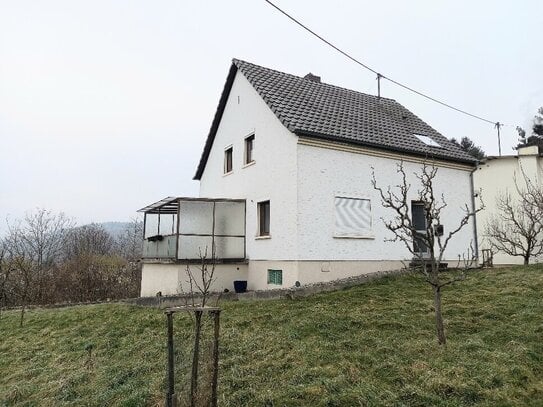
(228, 154)
(249, 146)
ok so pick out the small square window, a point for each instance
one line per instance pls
(275, 277)
(249, 146)
(264, 218)
(228, 153)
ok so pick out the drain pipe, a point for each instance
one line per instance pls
(473, 209)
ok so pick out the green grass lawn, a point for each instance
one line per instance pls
(371, 345)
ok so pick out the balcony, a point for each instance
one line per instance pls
(185, 229)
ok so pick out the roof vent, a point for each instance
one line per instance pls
(313, 78)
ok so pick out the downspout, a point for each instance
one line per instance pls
(473, 209)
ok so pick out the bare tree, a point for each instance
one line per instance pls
(88, 239)
(431, 238)
(4, 276)
(38, 240)
(517, 227)
(129, 245)
(33, 248)
(200, 287)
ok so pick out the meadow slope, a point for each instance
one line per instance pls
(371, 345)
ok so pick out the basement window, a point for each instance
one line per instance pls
(428, 141)
(275, 277)
(353, 217)
(228, 155)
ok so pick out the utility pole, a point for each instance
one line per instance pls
(497, 126)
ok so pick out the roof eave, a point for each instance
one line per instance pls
(471, 162)
(216, 122)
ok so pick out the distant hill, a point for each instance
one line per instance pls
(115, 229)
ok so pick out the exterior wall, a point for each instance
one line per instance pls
(171, 279)
(324, 173)
(497, 176)
(310, 272)
(301, 182)
(272, 177)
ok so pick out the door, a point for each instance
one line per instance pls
(418, 218)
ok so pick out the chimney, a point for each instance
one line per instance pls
(313, 78)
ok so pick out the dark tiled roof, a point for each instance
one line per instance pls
(325, 111)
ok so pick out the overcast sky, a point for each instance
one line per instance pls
(105, 105)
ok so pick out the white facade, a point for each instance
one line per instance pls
(496, 176)
(301, 179)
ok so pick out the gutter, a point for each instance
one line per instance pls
(472, 187)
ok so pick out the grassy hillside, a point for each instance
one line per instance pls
(371, 345)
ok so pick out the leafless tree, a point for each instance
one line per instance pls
(129, 245)
(86, 240)
(36, 243)
(4, 276)
(200, 282)
(32, 251)
(517, 227)
(398, 200)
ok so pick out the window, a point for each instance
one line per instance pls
(249, 146)
(275, 277)
(427, 140)
(228, 153)
(264, 218)
(353, 217)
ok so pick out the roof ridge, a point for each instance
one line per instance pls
(239, 64)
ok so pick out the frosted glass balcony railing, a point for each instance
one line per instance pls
(188, 228)
(163, 249)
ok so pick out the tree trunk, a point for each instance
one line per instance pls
(526, 259)
(439, 318)
(21, 321)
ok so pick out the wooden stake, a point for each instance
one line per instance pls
(195, 359)
(170, 398)
(216, 316)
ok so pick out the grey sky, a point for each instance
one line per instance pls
(105, 105)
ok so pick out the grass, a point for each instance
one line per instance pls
(372, 345)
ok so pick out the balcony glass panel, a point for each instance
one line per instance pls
(168, 224)
(230, 218)
(151, 225)
(196, 217)
(190, 246)
(230, 247)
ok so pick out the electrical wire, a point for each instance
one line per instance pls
(377, 73)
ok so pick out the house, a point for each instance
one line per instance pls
(496, 176)
(291, 157)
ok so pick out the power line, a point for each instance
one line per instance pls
(379, 75)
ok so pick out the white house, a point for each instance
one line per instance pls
(496, 176)
(292, 158)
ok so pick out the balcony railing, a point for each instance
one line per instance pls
(188, 228)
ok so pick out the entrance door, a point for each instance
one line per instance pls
(419, 222)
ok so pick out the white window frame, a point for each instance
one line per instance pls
(247, 163)
(226, 149)
(259, 234)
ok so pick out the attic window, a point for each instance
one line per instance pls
(427, 140)
(228, 153)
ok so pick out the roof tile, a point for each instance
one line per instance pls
(328, 111)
